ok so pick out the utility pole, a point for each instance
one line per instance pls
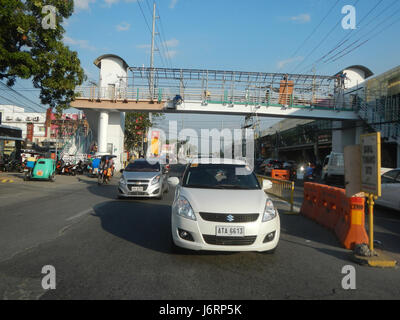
(153, 33)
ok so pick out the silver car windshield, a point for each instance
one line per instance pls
(143, 166)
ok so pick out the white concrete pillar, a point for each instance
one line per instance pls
(102, 132)
(345, 136)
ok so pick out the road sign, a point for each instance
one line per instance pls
(371, 163)
(352, 159)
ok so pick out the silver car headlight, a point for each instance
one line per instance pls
(183, 208)
(269, 211)
(155, 180)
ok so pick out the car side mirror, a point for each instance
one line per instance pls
(121, 171)
(173, 181)
(266, 184)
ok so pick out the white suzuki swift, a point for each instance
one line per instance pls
(220, 205)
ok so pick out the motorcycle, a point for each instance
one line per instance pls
(59, 167)
(104, 176)
(310, 177)
(13, 166)
(70, 169)
(107, 170)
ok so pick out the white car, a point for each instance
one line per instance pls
(218, 208)
(390, 184)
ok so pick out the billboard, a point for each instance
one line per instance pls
(155, 143)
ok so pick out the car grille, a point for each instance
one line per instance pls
(223, 217)
(137, 193)
(229, 241)
(138, 183)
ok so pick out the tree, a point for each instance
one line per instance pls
(136, 126)
(30, 50)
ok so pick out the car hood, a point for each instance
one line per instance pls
(139, 175)
(225, 201)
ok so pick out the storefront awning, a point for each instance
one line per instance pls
(11, 138)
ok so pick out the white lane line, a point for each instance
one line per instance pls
(80, 214)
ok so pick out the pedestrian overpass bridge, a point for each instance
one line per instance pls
(140, 89)
(220, 92)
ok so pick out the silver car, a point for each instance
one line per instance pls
(143, 178)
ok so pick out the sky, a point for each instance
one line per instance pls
(253, 35)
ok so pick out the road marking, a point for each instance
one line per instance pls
(80, 214)
(7, 180)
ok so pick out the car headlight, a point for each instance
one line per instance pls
(122, 180)
(301, 168)
(269, 211)
(155, 180)
(183, 208)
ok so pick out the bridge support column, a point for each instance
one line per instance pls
(102, 132)
(345, 134)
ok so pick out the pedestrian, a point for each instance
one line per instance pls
(267, 96)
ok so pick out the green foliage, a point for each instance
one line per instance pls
(27, 50)
(136, 125)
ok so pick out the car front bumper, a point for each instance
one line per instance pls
(152, 191)
(203, 231)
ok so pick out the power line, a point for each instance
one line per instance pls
(22, 96)
(320, 43)
(163, 35)
(348, 39)
(348, 36)
(148, 27)
(17, 102)
(315, 29)
(373, 36)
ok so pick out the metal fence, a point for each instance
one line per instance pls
(282, 189)
(220, 87)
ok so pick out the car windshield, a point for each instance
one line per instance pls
(220, 176)
(143, 166)
(392, 176)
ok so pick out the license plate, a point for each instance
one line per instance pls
(136, 188)
(222, 231)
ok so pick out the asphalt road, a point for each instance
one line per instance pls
(105, 248)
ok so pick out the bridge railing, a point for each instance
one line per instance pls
(212, 95)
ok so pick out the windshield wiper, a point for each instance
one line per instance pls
(230, 186)
(199, 186)
(218, 186)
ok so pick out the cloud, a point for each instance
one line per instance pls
(123, 26)
(143, 46)
(83, 44)
(171, 43)
(82, 4)
(173, 4)
(171, 54)
(109, 3)
(301, 18)
(283, 63)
